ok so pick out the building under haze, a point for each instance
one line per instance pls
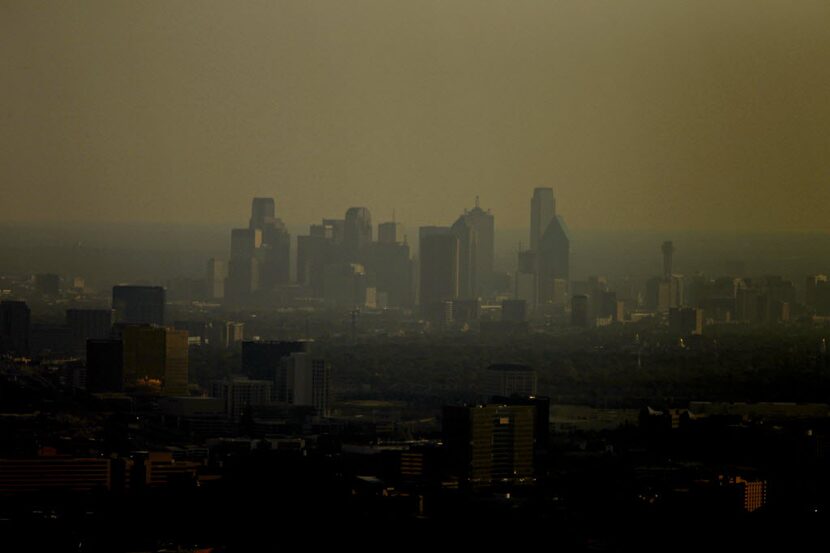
(260, 254)
(490, 444)
(439, 262)
(475, 230)
(138, 304)
(305, 379)
(357, 233)
(550, 247)
(88, 324)
(262, 359)
(157, 357)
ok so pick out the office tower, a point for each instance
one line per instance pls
(138, 304)
(439, 265)
(668, 253)
(346, 286)
(243, 267)
(240, 394)
(260, 255)
(338, 229)
(357, 232)
(541, 421)
(263, 212)
(104, 365)
(542, 212)
(48, 284)
(88, 324)
(514, 311)
(392, 270)
(315, 251)
(483, 224)
(15, 327)
(553, 258)
(510, 379)
(467, 255)
(390, 233)
(262, 359)
(217, 272)
(580, 311)
(156, 356)
(686, 321)
(525, 281)
(305, 379)
(490, 444)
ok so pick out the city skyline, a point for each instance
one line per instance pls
(635, 118)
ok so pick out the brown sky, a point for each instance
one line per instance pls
(640, 114)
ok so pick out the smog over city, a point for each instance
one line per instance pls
(367, 273)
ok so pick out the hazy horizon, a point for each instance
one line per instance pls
(640, 115)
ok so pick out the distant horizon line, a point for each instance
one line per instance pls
(237, 224)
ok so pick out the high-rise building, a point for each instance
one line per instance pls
(490, 444)
(260, 255)
(553, 258)
(346, 286)
(263, 211)
(240, 394)
(439, 265)
(392, 270)
(509, 379)
(313, 253)
(305, 379)
(217, 272)
(390, 233)
(138, 304)
(262, 359)
(88, 324)
(542, 211)
(467, 255)
(483, 224)
(357, 233)
(156, 356)
(15, 327)
(104, 365)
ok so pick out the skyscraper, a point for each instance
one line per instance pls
(542, 211)
(467, 256)
(550, 241)
(439, 265)
(138, 304)
(390, 233)
(357, 233)
(553, 258)
(217, 272)
(484, 225)
(262, 212)
(260, 255)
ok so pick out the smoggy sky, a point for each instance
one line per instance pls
(655, 114)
